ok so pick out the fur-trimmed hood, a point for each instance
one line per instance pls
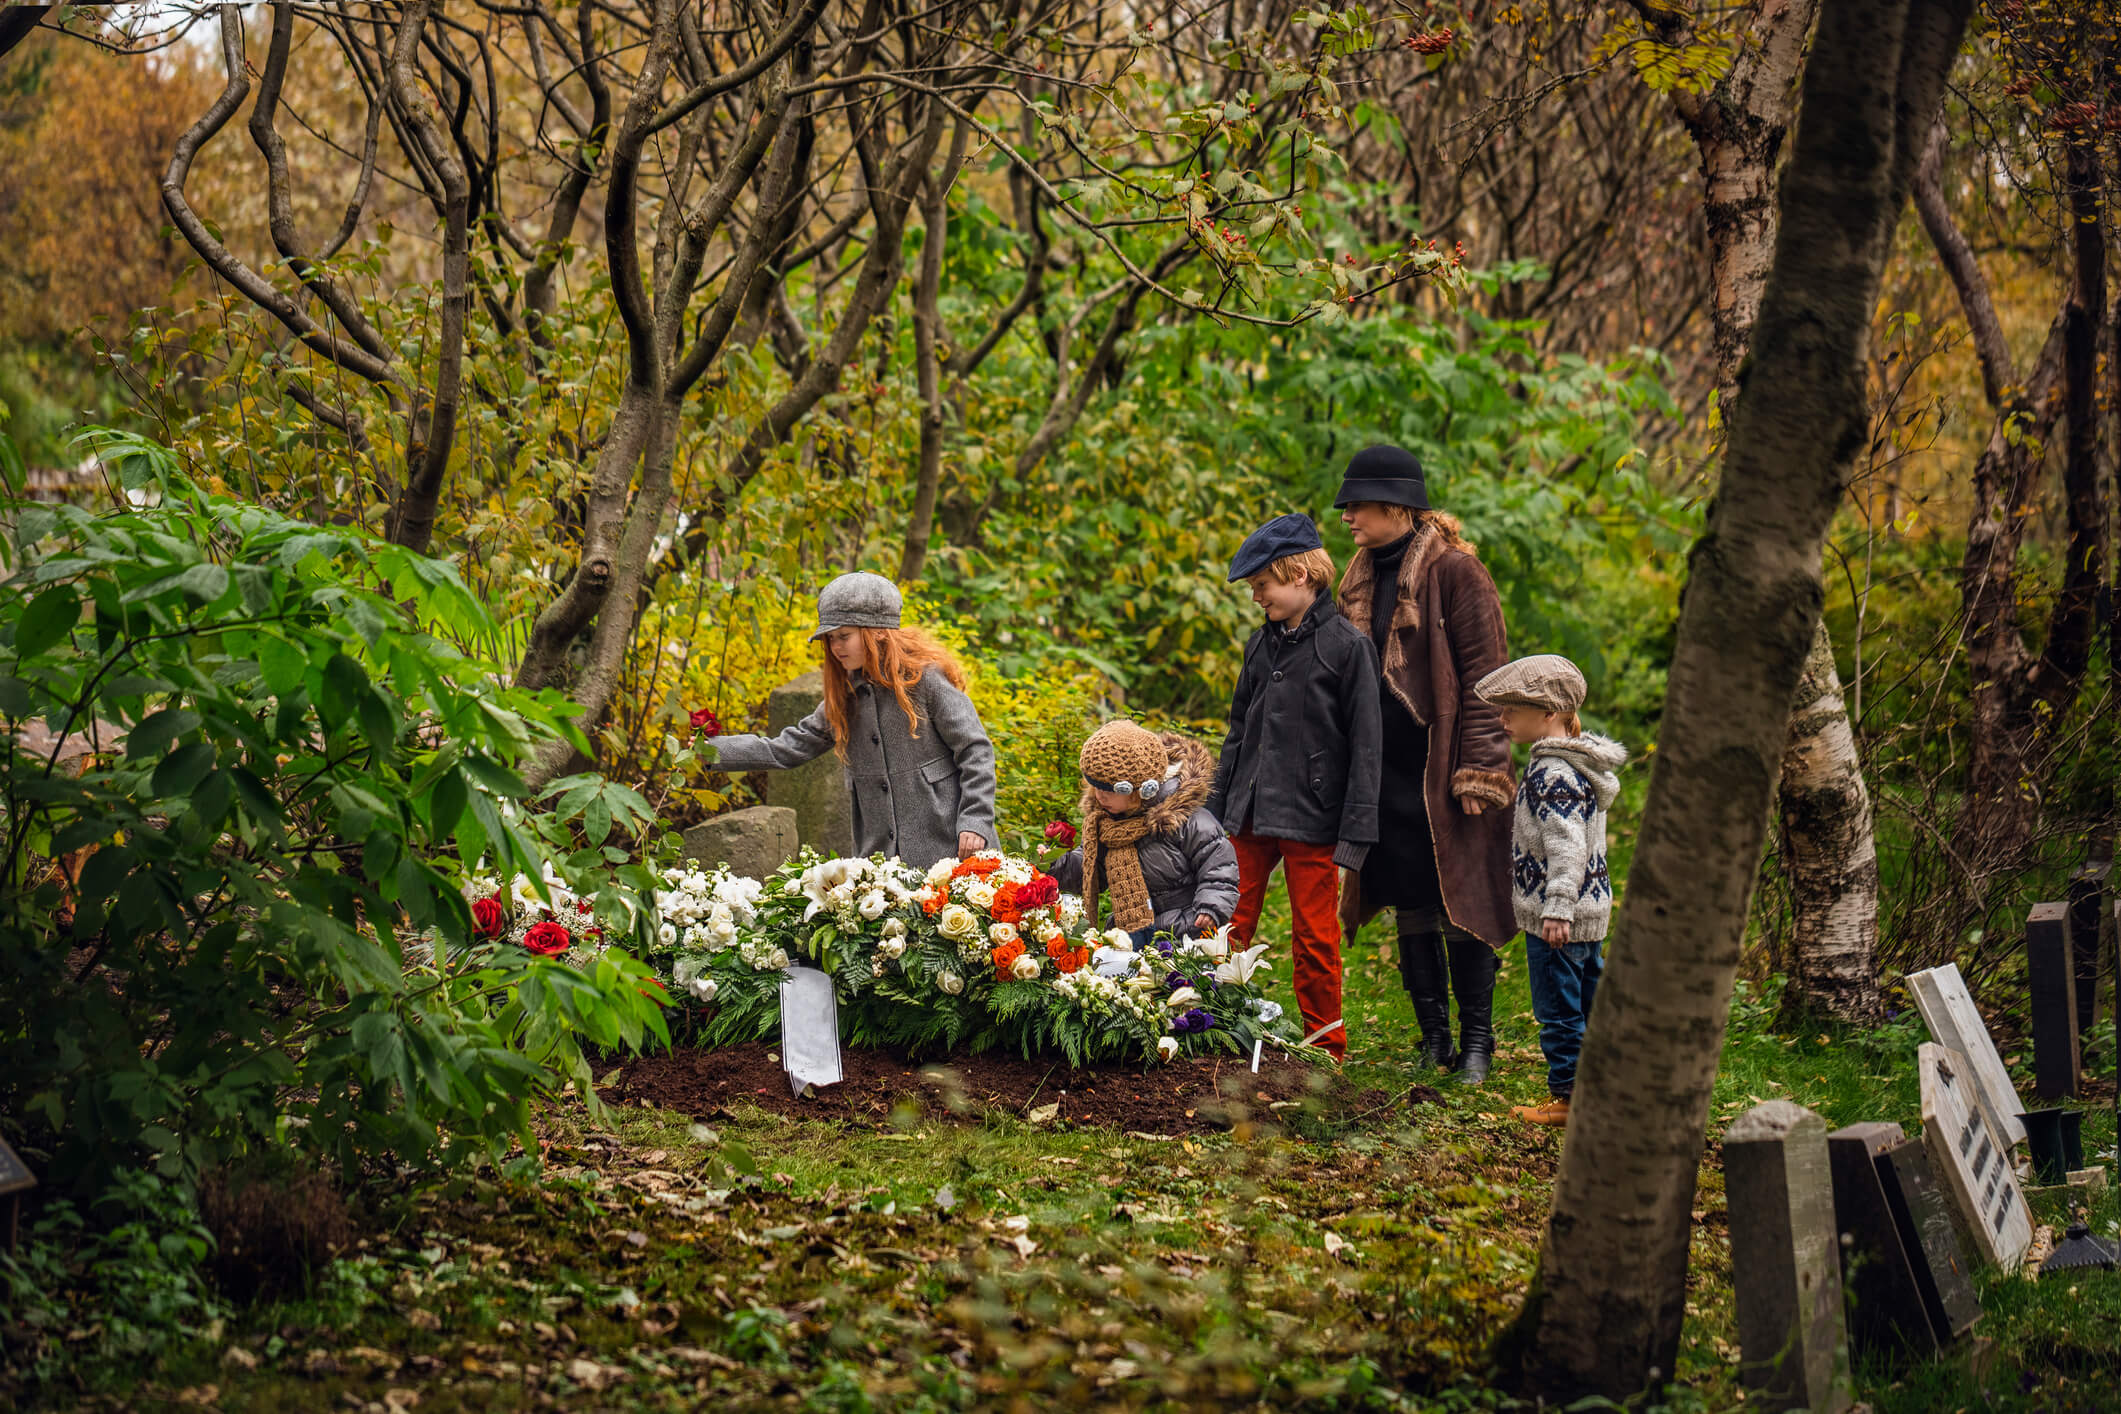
(1196, 774)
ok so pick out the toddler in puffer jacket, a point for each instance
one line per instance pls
(1148, 843)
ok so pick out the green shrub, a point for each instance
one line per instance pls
(301, 758)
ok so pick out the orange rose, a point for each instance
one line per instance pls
(1071, 960)
(932, 902)
(1005, 908)
(1056, 946)
(975, 865)
(1004, 955)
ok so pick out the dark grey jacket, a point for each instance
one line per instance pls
(912, 795)
(1306, 737)
(1187, 861)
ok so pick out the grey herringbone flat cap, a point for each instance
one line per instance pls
(858, 601)
(1547, 681)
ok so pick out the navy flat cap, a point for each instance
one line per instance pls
(1283, 535)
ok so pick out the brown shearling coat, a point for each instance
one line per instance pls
(1447, 633)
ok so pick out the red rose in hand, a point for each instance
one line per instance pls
(705, 722)
(488, 918)
(1061, 833)
(547, 939)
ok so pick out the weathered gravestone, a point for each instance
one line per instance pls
(1974, 1158)
(2051, 976)
(1785, 1261)
(2087, 890)
(817, 790)
(1929, 1234)
(753, 843)
(1887, 1316)
(1955, 1023)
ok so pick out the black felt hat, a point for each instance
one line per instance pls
(1277, 539)
(1383, 473)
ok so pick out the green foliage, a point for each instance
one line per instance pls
(119, 1283)
(301, 756)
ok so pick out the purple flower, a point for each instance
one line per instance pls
(1201, 1020)
(1173, 982)
(1164, 946)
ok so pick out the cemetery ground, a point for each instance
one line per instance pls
(1356, 1250)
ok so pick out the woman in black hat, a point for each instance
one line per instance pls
(1442, 858)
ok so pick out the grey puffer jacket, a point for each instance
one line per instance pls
(912, 794)
(1187, 861)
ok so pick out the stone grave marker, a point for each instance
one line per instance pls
(753, 842)
(1955, 1023)
(1887, 1316)
(2087, 889)
(2051, 975)
(816, 790)
(1929, 1234)
(1975, 1159)
(1785, 1260)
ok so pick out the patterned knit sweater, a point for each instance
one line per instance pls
(1557, 836)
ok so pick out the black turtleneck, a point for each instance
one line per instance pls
(1384, 588)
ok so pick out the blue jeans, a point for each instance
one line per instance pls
(1564, 980)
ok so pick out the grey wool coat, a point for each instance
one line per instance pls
(1187, 861)
(912, 794)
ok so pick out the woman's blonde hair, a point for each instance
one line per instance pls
(1406, 518)
(894, 659)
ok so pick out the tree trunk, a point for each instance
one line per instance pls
(1605, 1310)
(1830, 853)
(1827, 842)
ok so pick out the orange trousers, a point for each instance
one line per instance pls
(1314, 900)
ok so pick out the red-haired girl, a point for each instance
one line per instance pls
(918, 763)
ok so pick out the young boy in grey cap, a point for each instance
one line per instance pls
(1297, 782)
(1560, 888)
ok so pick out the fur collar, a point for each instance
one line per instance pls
(1358, 591)
(1196, 773)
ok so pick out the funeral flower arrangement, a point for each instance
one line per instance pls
(982, 953)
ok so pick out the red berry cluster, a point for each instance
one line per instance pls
(1434, 42)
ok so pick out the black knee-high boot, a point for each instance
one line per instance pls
(1422, 973)
(1474, 966)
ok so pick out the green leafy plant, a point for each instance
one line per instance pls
(240, 774)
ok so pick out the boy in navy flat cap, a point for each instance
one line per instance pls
(1297, 782)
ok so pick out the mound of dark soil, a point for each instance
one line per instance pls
(1185, 1097)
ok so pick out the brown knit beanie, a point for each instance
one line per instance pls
(1123, 752)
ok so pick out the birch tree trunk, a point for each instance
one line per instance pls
(1606, 1307)
(1829, 851)
(1830, 854)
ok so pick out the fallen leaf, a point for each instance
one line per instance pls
(422, 1319)
(237, 1356)
(400, 1398)
(1045, 1114)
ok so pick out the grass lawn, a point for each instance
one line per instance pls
(1354, 1257)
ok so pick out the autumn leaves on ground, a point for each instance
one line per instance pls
(1358, 1249)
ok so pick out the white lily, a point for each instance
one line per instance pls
(1166, 1047)
(1241, 966)
(1182, 998)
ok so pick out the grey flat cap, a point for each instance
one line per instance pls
(858, 601)
(1547, 681)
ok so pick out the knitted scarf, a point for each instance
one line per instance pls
(1109, 840)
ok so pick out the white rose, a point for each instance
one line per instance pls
(892, 947)
(1119, 939)
(1024, 968)
(894, 928)
(979, 894)
(666, 935)
(779, 960)
(1166, 1047)
(873, 904)
(704, 988)
(941, 870)
(957, 922)
(1183, 997)
(950, 982)
(1003, 934)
